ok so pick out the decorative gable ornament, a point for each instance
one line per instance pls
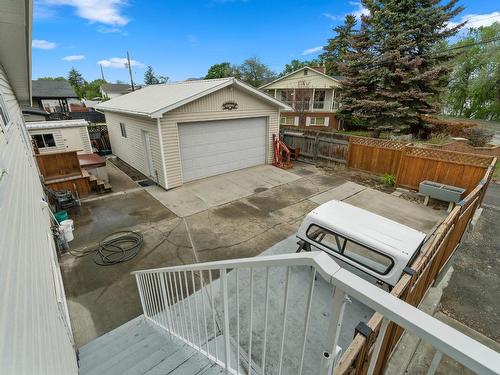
(229, 106)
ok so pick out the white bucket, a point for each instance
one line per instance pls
(67, 229)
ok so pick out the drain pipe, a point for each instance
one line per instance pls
(162, 151)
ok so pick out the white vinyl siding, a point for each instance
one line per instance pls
(66, 139)
(209, 108)
(210, 148)
(131, 149)
(33, 315)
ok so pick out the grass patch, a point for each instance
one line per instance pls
(496, 172)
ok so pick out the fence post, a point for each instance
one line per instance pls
(400, 166)
(315, 148)
(348, 156)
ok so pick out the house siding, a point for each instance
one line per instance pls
(210, 108)
(34, 324)
(131, 149)
(314, 80)
(67, 139)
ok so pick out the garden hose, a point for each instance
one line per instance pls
(117, 247)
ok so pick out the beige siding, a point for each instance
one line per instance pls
(313, 80)
(34, 338)
(67, 139)
(131, 149)
(210, 108)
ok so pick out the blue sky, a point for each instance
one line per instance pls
(181, 39)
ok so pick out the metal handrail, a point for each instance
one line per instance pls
(168, 310)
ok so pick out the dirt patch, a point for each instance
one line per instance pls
(130, 171)
(361, 178)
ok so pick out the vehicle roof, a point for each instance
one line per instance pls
(367, 228)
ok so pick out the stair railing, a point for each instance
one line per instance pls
(181, 301)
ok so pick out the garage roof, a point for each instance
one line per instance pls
(155, 100)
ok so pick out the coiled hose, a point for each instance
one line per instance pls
(117, 247)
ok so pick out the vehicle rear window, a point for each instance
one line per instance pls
(356, 252)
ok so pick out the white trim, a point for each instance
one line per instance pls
(225, 83)
(296, 121)
(162, 152)
(296, 71)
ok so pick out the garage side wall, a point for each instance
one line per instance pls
(210, 108)
(131, 149)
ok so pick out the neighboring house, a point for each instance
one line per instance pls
(35, 331)
(184, 131)
(59, 136)
(312, 94)
(114, 90)
(34, 114)
(54, 96)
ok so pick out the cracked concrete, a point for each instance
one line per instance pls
(268, 211)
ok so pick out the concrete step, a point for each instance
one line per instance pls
(140, 347)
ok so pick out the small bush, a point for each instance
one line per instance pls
(388, 179)
(479, 137)
(438, 139)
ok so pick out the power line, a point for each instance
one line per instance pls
(494, 39)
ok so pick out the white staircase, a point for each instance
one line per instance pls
(280, 314)
(139, 347)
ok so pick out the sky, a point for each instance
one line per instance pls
(182, 39)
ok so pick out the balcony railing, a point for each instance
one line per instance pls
(242, 340)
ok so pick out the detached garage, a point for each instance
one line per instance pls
(180, 132)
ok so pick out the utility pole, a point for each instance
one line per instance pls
(102, 73)
(130, 72)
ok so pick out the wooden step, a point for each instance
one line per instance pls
(107, 186)
(92, 178)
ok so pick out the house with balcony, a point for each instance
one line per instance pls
(311, 93)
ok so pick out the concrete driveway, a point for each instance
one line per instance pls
(240, 214)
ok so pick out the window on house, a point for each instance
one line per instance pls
(44, 140)
(4, 115)
(123, 130)
(354, 251)
(319, 99)
(287, 120)
(317, 121)
(306, 72)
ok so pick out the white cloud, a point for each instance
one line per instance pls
(118, 62)
(108, 12)
(357, 12)
(73, 58)
(333, 17)
(310, 51)
(477, 20)
(360, 9)
(43, 44)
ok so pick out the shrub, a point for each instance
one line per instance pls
(479, 137)
(438, 139)
(452, 127)
(388, 179)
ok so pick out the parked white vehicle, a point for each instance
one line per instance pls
(375, 245)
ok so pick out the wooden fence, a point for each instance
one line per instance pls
(411, 165)
(427, 266)
(319, 147)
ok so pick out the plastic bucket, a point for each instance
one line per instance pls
(61, 216)
(67, 229)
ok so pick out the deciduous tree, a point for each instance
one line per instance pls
(255, 73)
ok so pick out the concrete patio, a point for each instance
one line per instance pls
(240, 214)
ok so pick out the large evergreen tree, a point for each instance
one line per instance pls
(405, 74)
(337, 47)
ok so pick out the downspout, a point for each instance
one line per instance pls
(162, 152)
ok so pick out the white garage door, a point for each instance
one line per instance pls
(213, 147)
